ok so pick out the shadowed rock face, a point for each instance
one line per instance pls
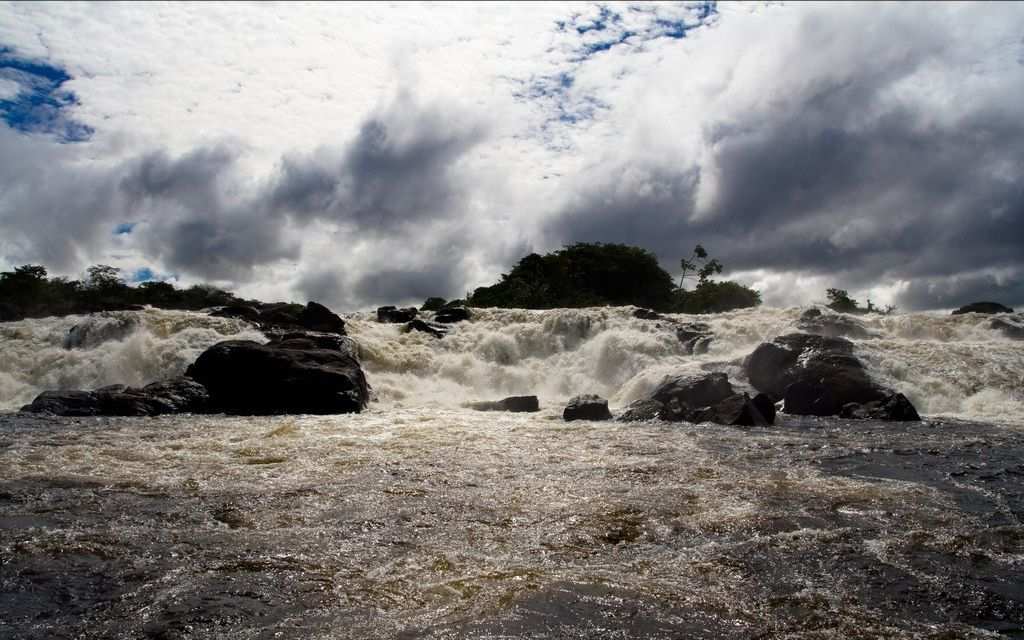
(587, 407)
(179, 395)
(295, 375)
(394, 315)
(436, 330)
(513, 404)
(287, 317)
(983, 307)
(449, 315)
(820, 376)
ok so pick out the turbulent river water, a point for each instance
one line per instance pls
(421, 518)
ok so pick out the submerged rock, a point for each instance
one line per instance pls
(435, 330)
(983, 307)
(642, 411)
(695, 337)
(100, 328)
(178, 395)
(513, 404)
(449, 315)
(587, 407)
(1011, 326)
(393, 315)
(646, 314)
(832, 325)
(894, 408)
(294, 375)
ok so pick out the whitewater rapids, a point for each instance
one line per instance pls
(420, 518)
(951, 366)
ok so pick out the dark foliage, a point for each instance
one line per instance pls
(715, 297)
(581, 275)
(28, 292)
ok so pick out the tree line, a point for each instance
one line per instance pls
(27, 291)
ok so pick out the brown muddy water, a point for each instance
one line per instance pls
(453, 524)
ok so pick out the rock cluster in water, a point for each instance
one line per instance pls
(310, 366)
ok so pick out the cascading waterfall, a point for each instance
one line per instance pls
(112, 347)
(947, 365)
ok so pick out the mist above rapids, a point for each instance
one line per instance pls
(947, 365)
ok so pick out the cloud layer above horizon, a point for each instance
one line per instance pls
(361, 154)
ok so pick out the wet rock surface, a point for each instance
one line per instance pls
(513, 404)
(449, 315)
(587, 407)
(983, 307)
(832, 325)
(178, 395)
(273, 527)
(299, 373)
(394, 315)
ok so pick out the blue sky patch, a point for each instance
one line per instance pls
(124, 228)
(41, 104)
(145, 274)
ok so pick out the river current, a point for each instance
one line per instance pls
(421, 518)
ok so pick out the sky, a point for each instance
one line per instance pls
(367, 154)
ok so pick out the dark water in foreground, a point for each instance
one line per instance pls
(450, 524)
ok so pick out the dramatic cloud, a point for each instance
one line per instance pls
(364, 154)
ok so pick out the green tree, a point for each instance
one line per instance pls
(698, 266)
(839, 300)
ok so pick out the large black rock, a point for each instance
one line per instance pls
(178, 395)
(317, 317)
(283, 316)
(587, 407)
(832, 325)
(293, 375)
(513, 404)
(983, 307)
(241, 311)
(894, 408)
(686, 392)
(396, 316)
(449, 315)
(814, 375)
(736, 410)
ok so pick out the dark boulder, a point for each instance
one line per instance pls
(814, 375)
(587, 407)
(692, 391)
(281, 315)
(449, 315)
(394, 315)
(646, 314)
(178, 395)
(832, 325)
(287, 376)
(433, 304)
(983, 307)
(435, 330)
(1012, 327)
(695, 337)
(735, 410)
(317, 317)
(894, 408)
(642, 411)
(242, 312)
(811, 359)
(513, 404)
(308, 340)
(765, 406)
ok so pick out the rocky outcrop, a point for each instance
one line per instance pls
(894, 408)
(642, 411)
(436, 330)
(587, 407)
(285, 316)
(707, 397)
(178, 395)
(513, 404)
(449, 315)
(433, 304)
(395, 315)
(647, 314)
(695, 337)
(299, 373)
(813, 375)
(983, 307)
(832, 325)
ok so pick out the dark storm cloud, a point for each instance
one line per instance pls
(835, 181)
(396, 178)
(398, 170)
